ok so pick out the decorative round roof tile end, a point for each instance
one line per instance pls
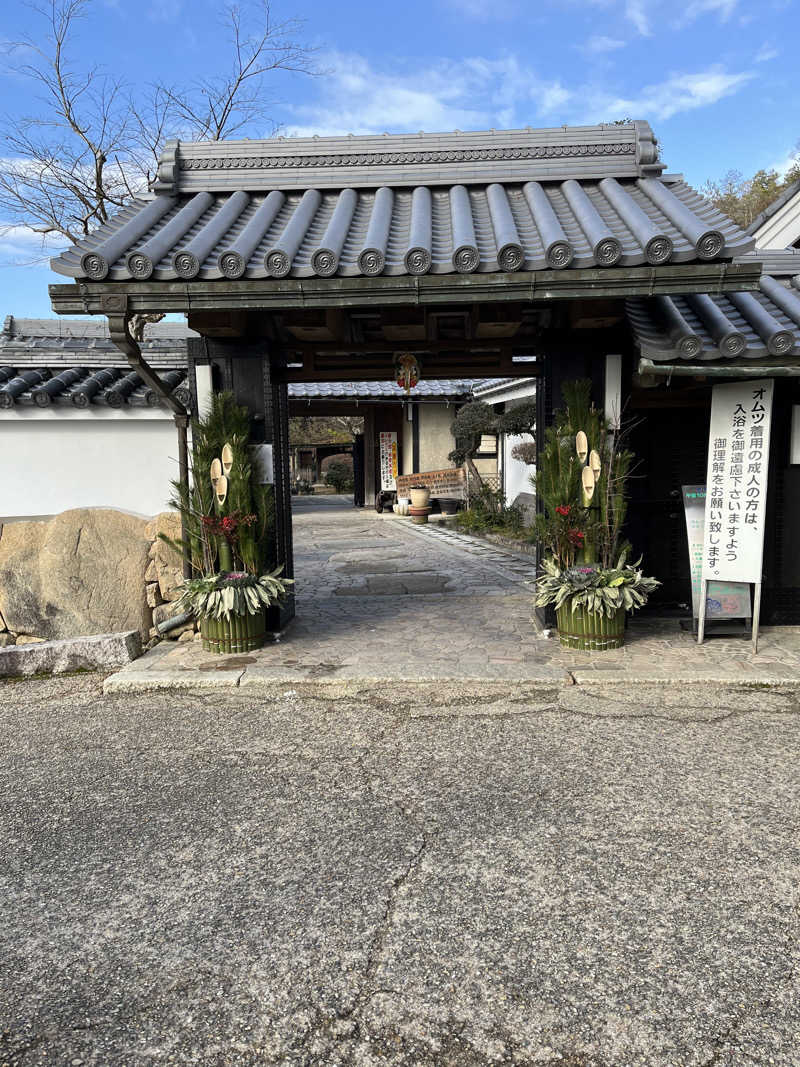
(658, 250)
(710, 245)
(94, 267)
(418, 261)
(324, 262)
(186, 265)
(689, 347)
(559, 255)
(277, 264)
(510, 257)
(781, 343)
(371, 262)
(608, 252)
(140, 266)
(466, 259)
(231, 265)
(732, 344)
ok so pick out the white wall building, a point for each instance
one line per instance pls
(515, 476)
(76, 428)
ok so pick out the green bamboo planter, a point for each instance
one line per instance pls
(589, 632)
(239, 633)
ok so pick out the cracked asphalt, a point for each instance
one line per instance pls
(585, 877)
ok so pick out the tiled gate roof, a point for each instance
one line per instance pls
(444, 204)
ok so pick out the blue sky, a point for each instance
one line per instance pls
(716, 78)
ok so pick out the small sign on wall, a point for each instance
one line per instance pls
(388, 460)
(261, 459)
(724, 600)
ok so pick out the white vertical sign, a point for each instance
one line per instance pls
(736, 497)
(388, 460)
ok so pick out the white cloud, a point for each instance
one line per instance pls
(646, 14)
(784, 163)
(765, 53)
(724, 8)
(601, 43)
(21, 247)
(484, 10)
(474, 93)
(677, 94)
(477, 93)
(637, 12)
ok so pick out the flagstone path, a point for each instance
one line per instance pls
(381, 601)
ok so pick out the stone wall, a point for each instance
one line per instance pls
(88, 571)
(164, 574)
(79, 573)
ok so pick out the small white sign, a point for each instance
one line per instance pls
(261, 460)
(728, 600)
(388, 460)
(736, 488)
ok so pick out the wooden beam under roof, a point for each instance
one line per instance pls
(344, 367)
(86, 298)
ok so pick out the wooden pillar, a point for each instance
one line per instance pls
(369, 456)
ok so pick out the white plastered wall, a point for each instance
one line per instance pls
(53, 462)
(782, 228)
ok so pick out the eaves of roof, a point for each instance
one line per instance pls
(779, 262)
(62, 332)
(745, 326)
(442, 389)
(84, 387)
(348, 233)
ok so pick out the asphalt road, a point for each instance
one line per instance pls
(587, 879)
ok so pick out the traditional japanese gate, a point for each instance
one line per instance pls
(483, 255)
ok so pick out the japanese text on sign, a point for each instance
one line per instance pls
(738, 451)
(388, 460)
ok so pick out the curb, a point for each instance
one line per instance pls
(431, 691)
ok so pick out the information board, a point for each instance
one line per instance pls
(738, 461)
(388, 460)
(724, 600)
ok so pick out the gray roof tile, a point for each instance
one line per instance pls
(704, 328)
(84, 387)
(425, 390)
(532, 200)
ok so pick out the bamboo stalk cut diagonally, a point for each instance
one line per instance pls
(581, 445)
(227, 458)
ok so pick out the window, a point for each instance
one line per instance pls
(488, 446)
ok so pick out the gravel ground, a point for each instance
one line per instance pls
(585, 878)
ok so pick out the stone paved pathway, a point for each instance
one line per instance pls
(379, 599)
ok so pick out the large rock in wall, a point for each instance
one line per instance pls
(167, 564)
(81, 572)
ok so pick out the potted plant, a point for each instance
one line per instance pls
(230, 607)
(581, 482)
(229, 517)
(420, 496)
(591, 601)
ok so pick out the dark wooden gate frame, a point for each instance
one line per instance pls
(236, 302)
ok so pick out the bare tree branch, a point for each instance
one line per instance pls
(95, 142)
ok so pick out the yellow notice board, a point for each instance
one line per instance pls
(388, 460)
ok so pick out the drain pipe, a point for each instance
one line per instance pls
(127, 341)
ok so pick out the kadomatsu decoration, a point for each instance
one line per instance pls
(581, 480)
(229, 518)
